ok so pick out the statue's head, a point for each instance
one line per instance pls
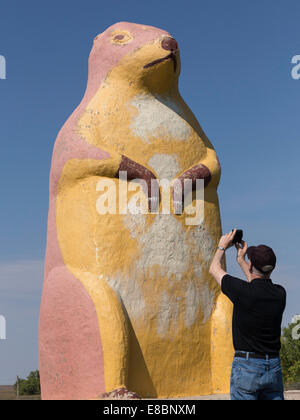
(137, 54)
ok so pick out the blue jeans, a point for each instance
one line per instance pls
(256, 379)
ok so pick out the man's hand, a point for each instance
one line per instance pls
(240, 257)
(226, 240)
(241, 251)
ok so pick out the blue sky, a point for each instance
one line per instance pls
(236, 77)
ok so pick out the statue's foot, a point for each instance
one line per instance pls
(120, 393)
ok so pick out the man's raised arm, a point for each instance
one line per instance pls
(216, 269)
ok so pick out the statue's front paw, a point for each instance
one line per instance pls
(193, 174)
(120, 394)
(135, 171)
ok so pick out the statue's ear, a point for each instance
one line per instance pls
(97, 37)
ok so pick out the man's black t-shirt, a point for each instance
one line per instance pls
(257, 313)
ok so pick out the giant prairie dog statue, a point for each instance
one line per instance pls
(127, 299)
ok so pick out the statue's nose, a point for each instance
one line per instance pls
(169, 44)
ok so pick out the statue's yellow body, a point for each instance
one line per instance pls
(165, 326)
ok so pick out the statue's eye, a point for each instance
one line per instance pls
(121, 37)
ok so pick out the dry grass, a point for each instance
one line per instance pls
(8, 393)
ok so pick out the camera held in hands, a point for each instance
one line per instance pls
(238, 236)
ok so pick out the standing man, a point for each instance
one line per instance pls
(256, 325)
